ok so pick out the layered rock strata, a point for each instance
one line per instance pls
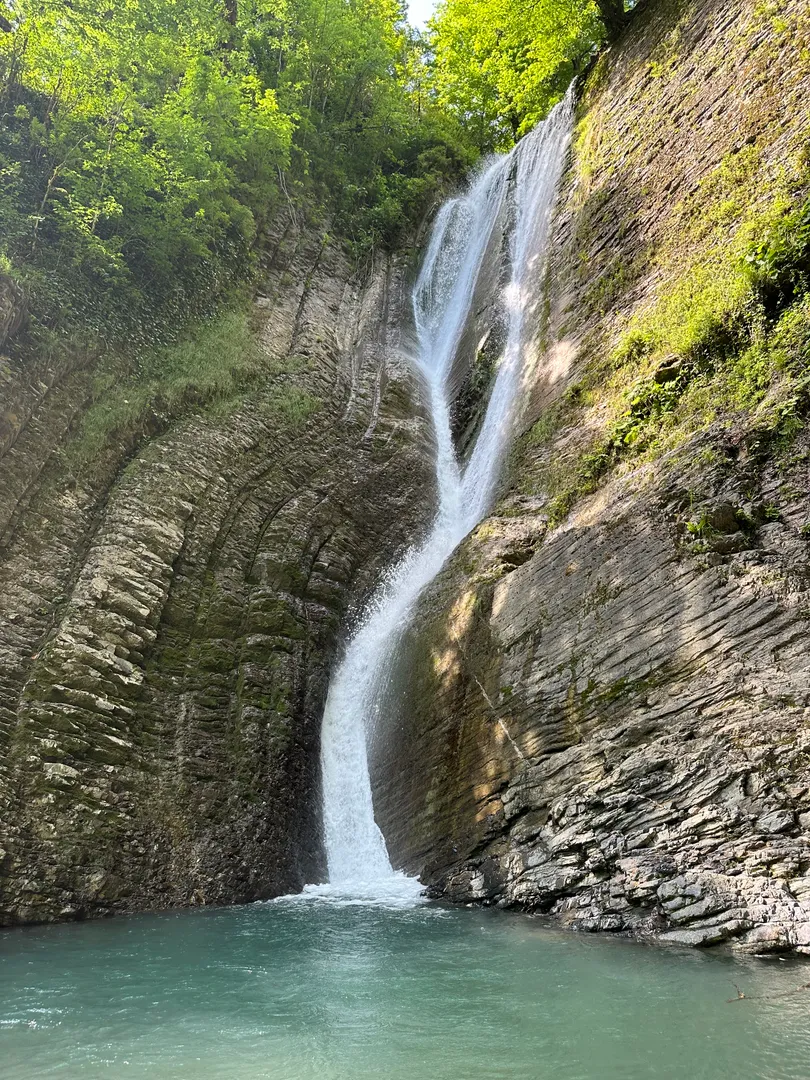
(609, 719)
(612, 728)
(169, 615)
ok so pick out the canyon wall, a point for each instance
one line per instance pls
(171, 603)
(604, 706)
(603, 710)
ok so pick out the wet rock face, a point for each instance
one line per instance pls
(481, 343)
(609, 720)
(616, 730)
(168, 620)
(12, 308)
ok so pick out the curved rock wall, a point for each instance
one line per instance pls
(169, 615)
(606, 720)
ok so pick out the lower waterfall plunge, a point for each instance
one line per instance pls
(523, 184)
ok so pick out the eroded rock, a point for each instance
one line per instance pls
(169, 616)
(614, 727)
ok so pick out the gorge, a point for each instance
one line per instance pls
(599, 706)
(404, 540)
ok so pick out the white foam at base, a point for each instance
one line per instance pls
(393, 892)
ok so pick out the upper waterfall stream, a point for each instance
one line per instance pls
(519, 189)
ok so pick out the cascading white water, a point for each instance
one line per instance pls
(520, 186)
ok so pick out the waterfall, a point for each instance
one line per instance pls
(520, 188)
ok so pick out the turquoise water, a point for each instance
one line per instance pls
(311, 990)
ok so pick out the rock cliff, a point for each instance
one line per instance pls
(171, 604)
(604, 711)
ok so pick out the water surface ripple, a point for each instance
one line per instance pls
(299, 992)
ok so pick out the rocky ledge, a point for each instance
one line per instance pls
(613, 723)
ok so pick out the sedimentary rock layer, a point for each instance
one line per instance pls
(169, 614)
(608, 720)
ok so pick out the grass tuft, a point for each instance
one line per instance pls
(208, 370)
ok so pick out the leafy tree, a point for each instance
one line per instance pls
(374, 146)
(144, 143)
(499, 65)
(613, 14)
(142, 155)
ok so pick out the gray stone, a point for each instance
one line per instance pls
(658, 694)
(170, 609)
(777, 821)
(693, 938)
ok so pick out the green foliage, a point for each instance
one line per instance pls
(780, 260)
(728, 340)
(144, 145)
(727, 343)
(368, 134)
(499, 65)
(730, 336)
(141, 155)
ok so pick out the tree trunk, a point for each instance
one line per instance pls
(231, 11)
(613, 15)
